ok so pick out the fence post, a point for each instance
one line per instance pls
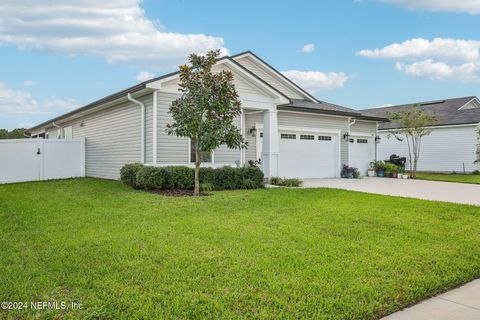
(82, 161)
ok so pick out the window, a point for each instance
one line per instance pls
(68, 132)
(325, 138)
(351, 140)
(362, 140)
(261, 134)
(307, 137)
(206, 157)
(288, 136)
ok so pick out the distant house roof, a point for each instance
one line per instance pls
(455, 111)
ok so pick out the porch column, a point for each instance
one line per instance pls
(270, 147)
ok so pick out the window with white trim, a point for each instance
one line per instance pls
(206, 157)
(288, 136)
(307, 137)
(362, 140)
(68, 132)
(325, 138)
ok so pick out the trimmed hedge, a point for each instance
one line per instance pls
(180, 177)
(128, 174)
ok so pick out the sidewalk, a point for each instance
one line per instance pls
(462, 303)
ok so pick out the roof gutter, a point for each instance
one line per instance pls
(142, 125)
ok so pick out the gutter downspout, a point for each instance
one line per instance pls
(142, 126)
(350, 123)
(58, 127)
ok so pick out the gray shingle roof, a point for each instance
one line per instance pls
(445, 111)
(326, 108)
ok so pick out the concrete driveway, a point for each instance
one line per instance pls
(420, 189)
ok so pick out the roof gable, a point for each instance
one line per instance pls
(272, 76)
(243, 79)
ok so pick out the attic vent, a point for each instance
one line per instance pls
(432, 103)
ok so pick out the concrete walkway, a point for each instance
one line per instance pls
(462, 303)
(420, 189)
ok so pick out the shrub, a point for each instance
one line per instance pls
(128, 174)
(207, 175)
(226, 178)
(254, 174)
(285, 182)
(182, 177)
(150, 178)
(206, 186)
(248, 184)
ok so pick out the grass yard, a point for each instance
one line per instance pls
(273, 253)
(463, 178)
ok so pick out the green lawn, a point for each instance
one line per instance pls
(463, 178)
(270, 254)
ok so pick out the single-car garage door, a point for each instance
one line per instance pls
(361, 153)
(308, 155)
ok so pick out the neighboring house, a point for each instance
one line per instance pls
(293, 133)
(453, 142)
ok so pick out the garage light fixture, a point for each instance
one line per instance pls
(346, 136)
(253, 131)
(377, 139)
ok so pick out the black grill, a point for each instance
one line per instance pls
(397, 160)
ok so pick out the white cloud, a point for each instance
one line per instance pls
(449, 49)
(438, 59)
(467, 72)
(21, 103)
(469, 6)
(117, 31)
(308, 48)
(314, 81)
(144, 76)
(29, 83)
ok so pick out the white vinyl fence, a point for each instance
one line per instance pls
(40, 159)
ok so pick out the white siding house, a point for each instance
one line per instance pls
(451, 146)
(293, 133)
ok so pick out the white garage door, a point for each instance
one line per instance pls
(361, 153)
(308, 155)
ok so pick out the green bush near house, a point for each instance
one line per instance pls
(285, 182)
(128, 174)
(150, 178)
(181, 177)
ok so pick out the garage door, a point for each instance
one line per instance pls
(308, 155)
(361, 153)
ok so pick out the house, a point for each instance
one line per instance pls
(293, 133)
(453, 143)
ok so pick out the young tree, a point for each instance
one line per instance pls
(207, 108)
(414, 122)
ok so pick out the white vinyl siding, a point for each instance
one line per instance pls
(266, 76)
(173, 149)
(112, 138)
(299, 120)
(366, 127)
(444, 150)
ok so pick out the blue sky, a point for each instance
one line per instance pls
(60, 56)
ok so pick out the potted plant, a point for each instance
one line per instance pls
(371, 170)
(379, 167)
(401, 171)
(347, 172)
(391, 170)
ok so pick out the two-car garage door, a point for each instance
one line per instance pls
(307, 154)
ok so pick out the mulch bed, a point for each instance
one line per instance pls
(178, 193)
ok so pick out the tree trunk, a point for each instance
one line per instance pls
(196, 190)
